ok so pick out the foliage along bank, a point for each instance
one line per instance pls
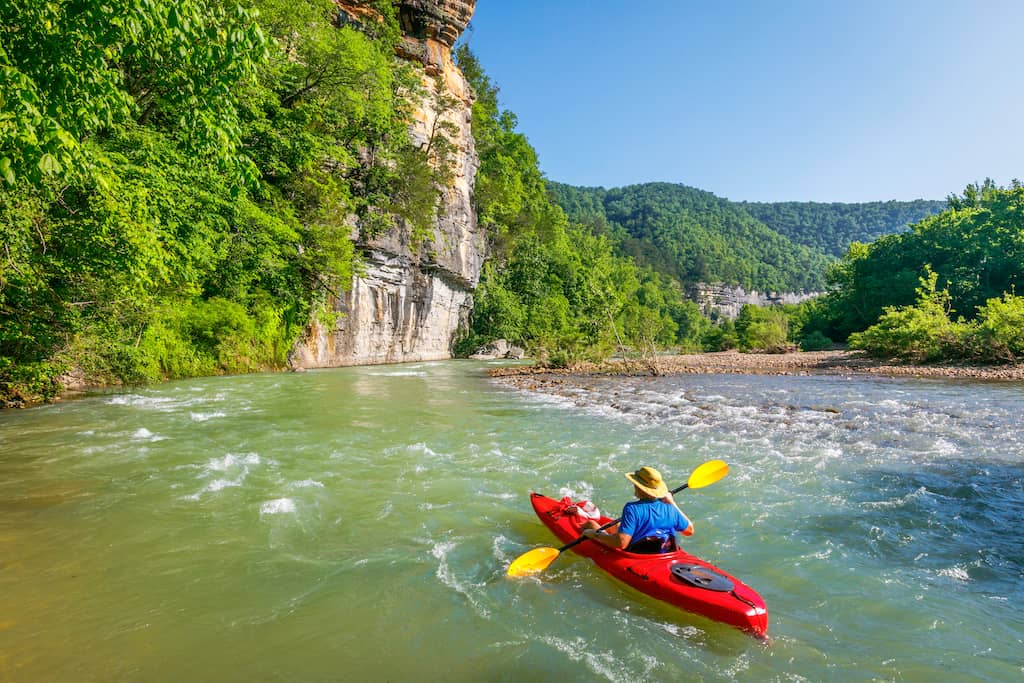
(945, 290)
(175, 177)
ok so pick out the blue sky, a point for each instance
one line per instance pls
(833, 100)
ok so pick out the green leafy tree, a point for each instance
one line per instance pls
(920, 332)
(976, 246)
(762, 329)
(999, 333)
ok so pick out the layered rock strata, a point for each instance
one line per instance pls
(726, 301)
(408, 301)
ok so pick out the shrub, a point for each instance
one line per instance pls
(815, 341)
(920, 333)
(721, 337)
(762, 329)
(999, 335)
(28, 382)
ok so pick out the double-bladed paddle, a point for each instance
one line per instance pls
(538, 559)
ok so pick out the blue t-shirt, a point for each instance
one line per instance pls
(645, 518)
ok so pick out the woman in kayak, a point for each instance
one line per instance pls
(653, 519)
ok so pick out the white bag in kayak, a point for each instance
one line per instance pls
(584, 509)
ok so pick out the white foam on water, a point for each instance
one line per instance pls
(423, 449)
(399, 373)
(203, 417)
(159, 403)
(601, 663)
(145, 434)
(135, 400)
(740, 664)
(307, 483)
(232, 460)
(688, 632)
(426, 507)
(235, 466)
(902, 501)
(956, 572)
(447, 576)
(277, 506)
(579, 490)
(213, 487)
(220, 484)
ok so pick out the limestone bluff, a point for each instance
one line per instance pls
(408, 303)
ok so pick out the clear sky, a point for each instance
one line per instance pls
(831, 100)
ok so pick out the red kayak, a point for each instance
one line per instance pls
(678, 578)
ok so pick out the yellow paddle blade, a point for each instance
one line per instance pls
(534, 561)
(708, 473)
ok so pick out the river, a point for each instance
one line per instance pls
(355, 525)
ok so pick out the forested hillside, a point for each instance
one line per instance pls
(975, 249)
(694, 236)
(832, 227)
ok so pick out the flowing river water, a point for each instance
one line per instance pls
(355, 525)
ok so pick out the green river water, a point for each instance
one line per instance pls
(355, 525)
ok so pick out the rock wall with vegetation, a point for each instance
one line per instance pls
(184, 186)
(413, 289)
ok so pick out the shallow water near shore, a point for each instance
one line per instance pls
(355, 524)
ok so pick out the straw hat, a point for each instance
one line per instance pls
(649, 480)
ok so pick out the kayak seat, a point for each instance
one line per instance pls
(653, 545)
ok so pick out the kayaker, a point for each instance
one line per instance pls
(653, 519)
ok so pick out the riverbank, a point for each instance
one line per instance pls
(799, 363)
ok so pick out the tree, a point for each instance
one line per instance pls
(69, 70)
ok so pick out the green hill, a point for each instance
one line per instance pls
(832, 227)
(694, 236)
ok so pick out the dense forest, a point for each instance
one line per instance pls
(832, 227)
(175, 178)
(942, 288)
(946, 288)
(693, 236)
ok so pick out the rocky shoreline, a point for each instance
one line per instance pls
(798, 363)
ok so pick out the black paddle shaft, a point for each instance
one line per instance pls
(611, 523)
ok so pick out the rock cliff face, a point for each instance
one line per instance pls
(726, 301)
(407, 303)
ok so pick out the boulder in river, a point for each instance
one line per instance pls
(499, 348)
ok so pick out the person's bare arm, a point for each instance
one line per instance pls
(615, 540)
(672, 501)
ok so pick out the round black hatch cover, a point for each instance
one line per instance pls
(702, 577)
